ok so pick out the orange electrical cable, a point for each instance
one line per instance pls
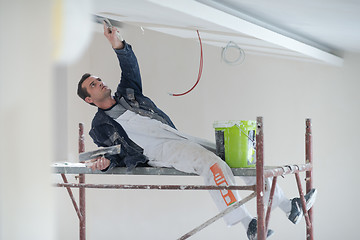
(199, 74)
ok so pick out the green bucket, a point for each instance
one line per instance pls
(235, 142)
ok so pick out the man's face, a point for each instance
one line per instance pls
(97, 90)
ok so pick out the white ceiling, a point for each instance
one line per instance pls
(310, 30)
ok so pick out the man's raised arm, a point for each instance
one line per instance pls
(111, 35)
(130, 72)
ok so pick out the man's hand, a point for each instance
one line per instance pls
(115, 42)
(99, 163)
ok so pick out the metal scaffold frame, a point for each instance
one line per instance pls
(260, 172)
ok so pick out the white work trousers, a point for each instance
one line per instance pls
(167, 147)
(190, 157)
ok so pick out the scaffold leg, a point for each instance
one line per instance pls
(260, 179)
(302, 199)
(72, 197)
(271, 197)
(309, 174)
(82, 223)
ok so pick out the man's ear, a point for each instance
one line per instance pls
(88, 100)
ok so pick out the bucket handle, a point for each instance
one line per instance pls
(245, 133)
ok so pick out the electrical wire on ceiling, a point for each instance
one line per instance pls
(199, 74)
(239, 59)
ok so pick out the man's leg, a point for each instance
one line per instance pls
(190, 157)
(221, 175)
(291, 207)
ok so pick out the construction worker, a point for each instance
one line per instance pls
(149, 137)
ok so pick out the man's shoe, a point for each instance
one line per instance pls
(252, 230)
(296, 212)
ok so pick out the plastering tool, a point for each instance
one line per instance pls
(106, 151)
(109, 24)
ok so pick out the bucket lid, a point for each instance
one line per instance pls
(231, 123)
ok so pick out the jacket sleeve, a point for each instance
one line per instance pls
(130, 72)
(106, 135)
(100, 137)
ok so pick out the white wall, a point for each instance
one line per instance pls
(27, 208)
(284, 92)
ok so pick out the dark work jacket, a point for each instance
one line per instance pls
(105, 131)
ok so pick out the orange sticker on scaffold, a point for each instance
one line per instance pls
(220, 180)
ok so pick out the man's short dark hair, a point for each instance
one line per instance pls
(81, 92)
